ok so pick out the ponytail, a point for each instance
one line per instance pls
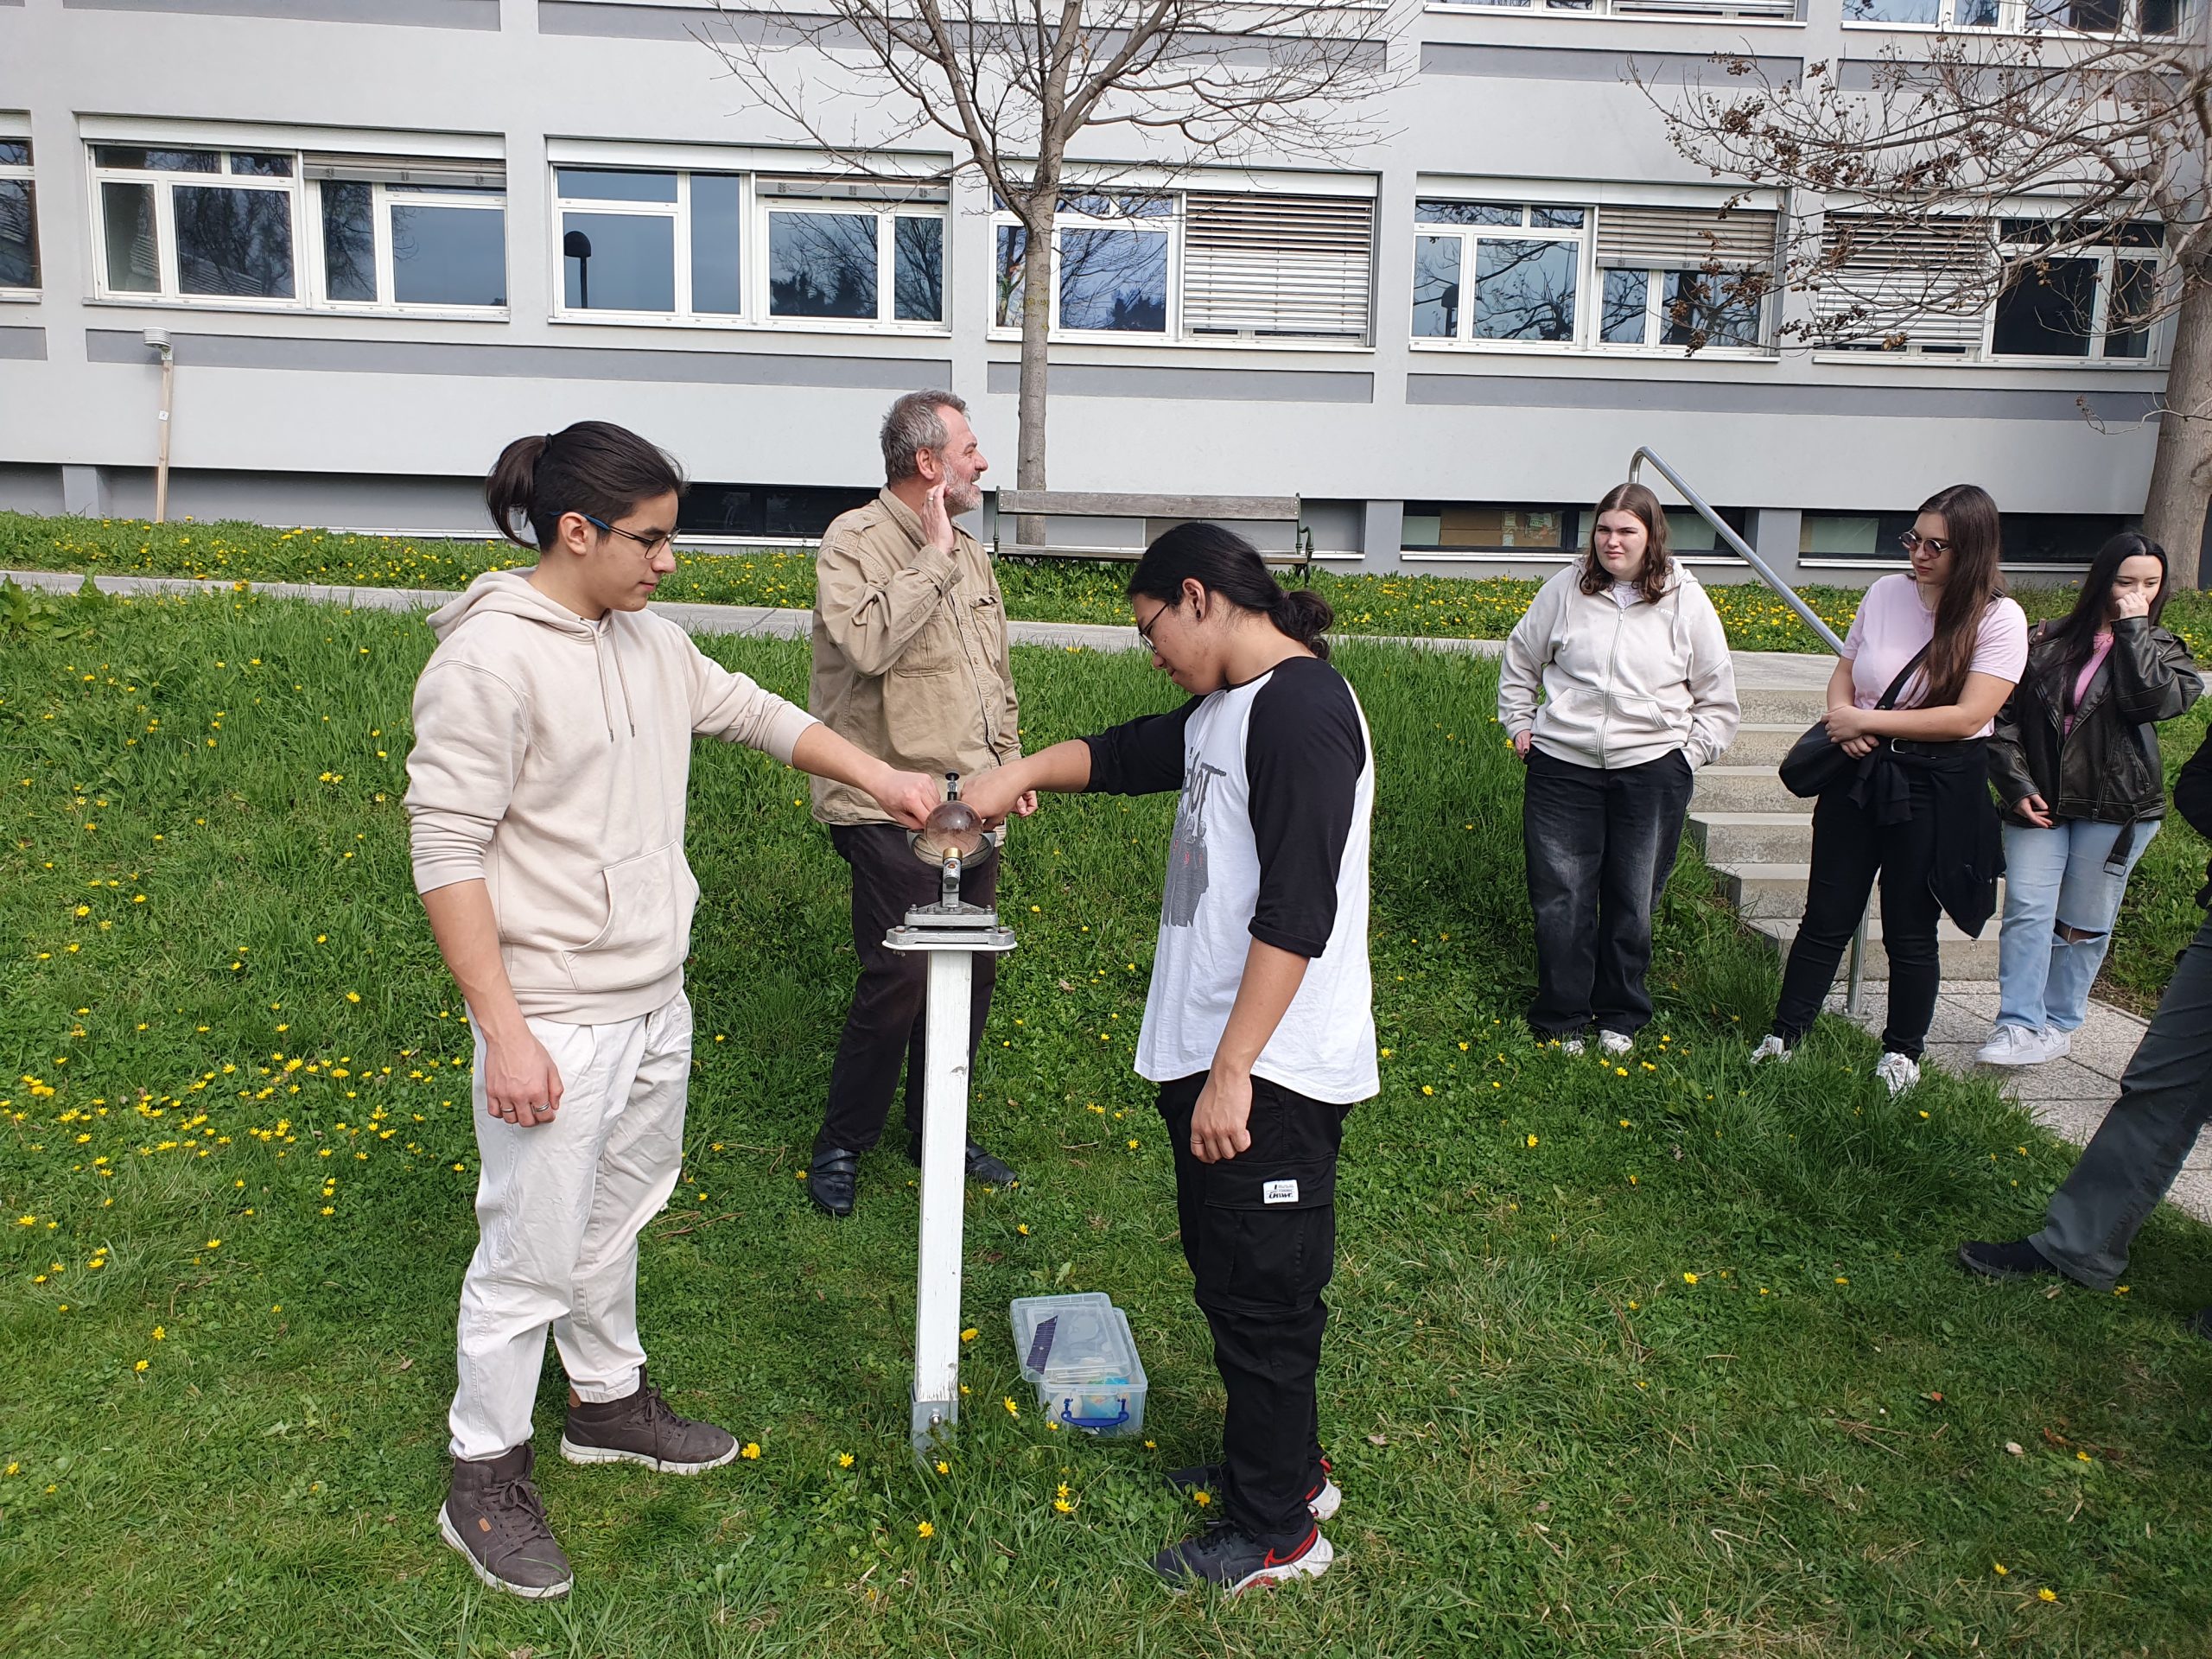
(593, 467)
(1225, 563)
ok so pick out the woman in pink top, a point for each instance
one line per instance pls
(1919, 816)
(2076, 759)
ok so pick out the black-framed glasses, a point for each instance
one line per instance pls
(652, 544)
(1912, 541)
(1144, 631)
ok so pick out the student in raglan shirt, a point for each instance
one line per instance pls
(1259, 1026)
(553, 729)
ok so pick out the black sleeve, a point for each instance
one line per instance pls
(1143, 756)
(2153, 677)
(1303, 753)
(2193, 788)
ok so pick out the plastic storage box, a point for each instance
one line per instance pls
(1079, 1352)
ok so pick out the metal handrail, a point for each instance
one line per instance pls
(1737, 545)
(1806, 614)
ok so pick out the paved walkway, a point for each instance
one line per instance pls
(2069, 1096)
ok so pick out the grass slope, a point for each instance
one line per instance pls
(1663, 1359)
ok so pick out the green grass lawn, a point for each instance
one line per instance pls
(1664, 1358)
(1040, 590)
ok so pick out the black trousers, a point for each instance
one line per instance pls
(1599, 845)
(1260, 1233)
(885, 1025)
(1849, 847)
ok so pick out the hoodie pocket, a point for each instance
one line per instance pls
(650, 900)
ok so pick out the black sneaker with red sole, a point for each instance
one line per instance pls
(1233, 1560)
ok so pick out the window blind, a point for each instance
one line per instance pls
(1296, 265)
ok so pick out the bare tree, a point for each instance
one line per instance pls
(1922, 162)
(1016, 86)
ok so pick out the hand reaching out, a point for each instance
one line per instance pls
(909, 797)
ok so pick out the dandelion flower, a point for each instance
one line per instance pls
(1012, 1409)
(2003, 1571)
(1689, 1278)
(943, 1467)
(752, 1451)
(2046, 1594)
(924, 1530)
(845, 1459)
(1202, 1497)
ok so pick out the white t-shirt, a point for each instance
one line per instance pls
(1277, 782)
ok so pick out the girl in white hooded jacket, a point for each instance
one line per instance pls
(1638, 692)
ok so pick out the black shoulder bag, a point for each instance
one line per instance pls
(1817, 762)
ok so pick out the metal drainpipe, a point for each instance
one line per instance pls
(159, 339)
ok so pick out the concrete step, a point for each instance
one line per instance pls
(1963, 959)
(1763, 744)
(1727, 787)
(1777, 891)
(1780, 705)
(1736, 838)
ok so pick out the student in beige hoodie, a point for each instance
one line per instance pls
(1639, 691)
(553, 729)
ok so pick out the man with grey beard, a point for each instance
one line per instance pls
(910, 662)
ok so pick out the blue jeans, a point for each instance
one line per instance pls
(2056, 879)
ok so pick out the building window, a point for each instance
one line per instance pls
(1199, 264)
(330, 231)
(726, 247)
(764, 512)
(18, 218)
(2029, 537)
(1519, 530)
(2156, 18)
(1516, 272)
(2095, 300)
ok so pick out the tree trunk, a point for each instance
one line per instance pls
(2181, 475)
(1038, 276)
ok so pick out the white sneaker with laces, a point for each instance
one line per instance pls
(1615, 1042)
(2010, 1045)
(1898, 1072)
(1770, 1048)
(2057, 1043)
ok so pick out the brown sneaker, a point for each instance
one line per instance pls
(643, 1429)
(493, 1516)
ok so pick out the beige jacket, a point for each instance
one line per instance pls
(551, 756)
(910, 653)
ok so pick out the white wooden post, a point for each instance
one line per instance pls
(945, 1177)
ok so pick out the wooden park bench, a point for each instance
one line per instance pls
(1121, 526)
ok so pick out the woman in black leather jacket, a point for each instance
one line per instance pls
(2075, 759)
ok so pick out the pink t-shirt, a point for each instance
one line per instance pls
(2102, 649)
(1893, 624)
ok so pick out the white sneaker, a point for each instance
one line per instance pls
(1615, 1042)
(2011, 1045)
(1770, 1048)
(1569, 1045)
(2057, 1043)
(1898, 1072)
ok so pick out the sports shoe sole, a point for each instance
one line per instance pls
(586, 1454)
(1311, 1565)
(527, 1591)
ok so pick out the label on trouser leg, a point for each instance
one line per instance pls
(1279, 1192)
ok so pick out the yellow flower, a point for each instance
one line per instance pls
(1689, 1278)
(1023, 1228)
(1063, 1506)
(1840, 1279)
(969, 1335)
(1012, 1410)
(2046, 1594)
(752, 1451)
(845, 1459)
(214, 1243)
(2003, 1571)
(352, 996)
(1532, 1139)
(1202, 1497)
(140, 1366)
(159, 1335)
(923, 1529)
(1426, 1090)
(943, 1467)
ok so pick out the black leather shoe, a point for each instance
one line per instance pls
(2018, 1259)
(982, 1166)
(829, 1179)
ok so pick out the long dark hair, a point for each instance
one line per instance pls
(1658, 550)
(593, 468)
(1972, 526)
(2076, 634)
(1223, 563)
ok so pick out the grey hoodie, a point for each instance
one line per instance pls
(551, 760)
(1622, 685)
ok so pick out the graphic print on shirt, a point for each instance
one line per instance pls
(1187, 853)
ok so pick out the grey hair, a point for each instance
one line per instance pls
(913, 426)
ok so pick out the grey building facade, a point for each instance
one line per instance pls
(384, 236)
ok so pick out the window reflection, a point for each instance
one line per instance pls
(717, 285)
(18, 235)
(1524, 291)
(1621, 312)
(918, 269)
(1698, 310)
(822, 265)
(617, 262)
(349, 241)
(233, 242)
(1113, 281)
(448, 255)
(2046, 310)
(1012, 253)
(1436, 287)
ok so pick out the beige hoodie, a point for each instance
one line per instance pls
(1622, 684)
(552, 758)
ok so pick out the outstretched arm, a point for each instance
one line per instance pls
(908, 797)
(1063, 769)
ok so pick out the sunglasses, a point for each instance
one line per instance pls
(1912, 541)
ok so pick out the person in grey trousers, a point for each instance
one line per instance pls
(2165, 1099)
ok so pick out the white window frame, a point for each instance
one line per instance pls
(2108, 259)
(1589, 339)
(2013, 18)
(169, 290)
(310, 285)
(1169, 224)
(1756, 14)
(24, 173)
(755, 207)
(382, 197)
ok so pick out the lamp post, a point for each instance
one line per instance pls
(951, 934)
(578, 246)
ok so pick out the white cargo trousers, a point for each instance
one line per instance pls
(559, 1207)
